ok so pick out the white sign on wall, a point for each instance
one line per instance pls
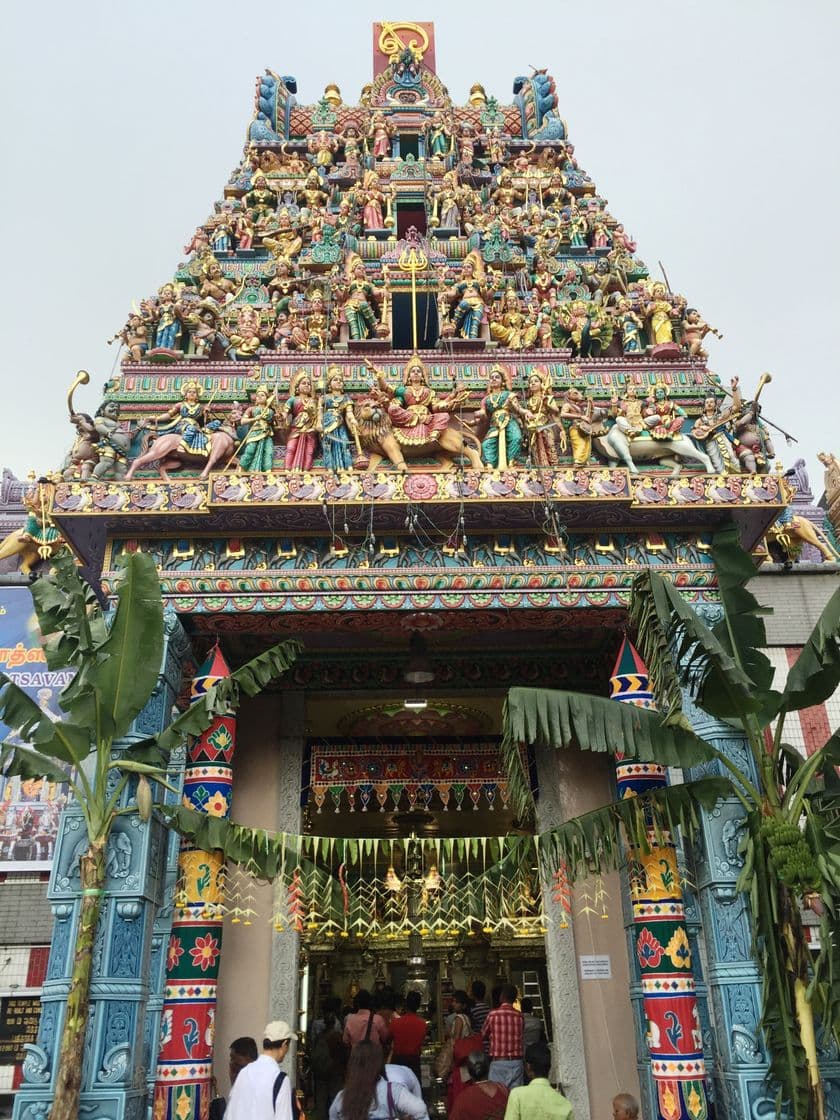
(595, 967)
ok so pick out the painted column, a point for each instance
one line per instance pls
(113, 1085)
(661, 944)
(569, 1058)
(184, 1066)
(285, 946)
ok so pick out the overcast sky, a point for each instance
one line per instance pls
(710, 126)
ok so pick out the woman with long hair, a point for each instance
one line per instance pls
(368, 1095)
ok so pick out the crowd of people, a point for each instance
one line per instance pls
(365, 1064)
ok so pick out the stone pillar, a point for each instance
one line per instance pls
(116, 1049)
(285, 946)
(569, 1058)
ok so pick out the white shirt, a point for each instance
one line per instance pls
(405, 1103)
(250, 1097)
(402, 1075)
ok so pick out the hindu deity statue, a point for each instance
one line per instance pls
(282, 238)
(585, 325)
(214, 284)
(542, 421)
(300, 417)
(188, 419)
(221, 235)
(316, 332)
(416, 413)
(379, 136)
(323, 146)
(506, 195)
(440, 140)
(503, 440)
(135, 338)
(577, 229)
(284, 284)
(359, 301)
(659, 312)
(168, 327)
(352, 147)
(371, 198)
(243, 229)
(312, 194)
(752, 442)
(260, 200)
(446, 206)
(583, 421)
(257, 449)
(202, 321)
(628, 412)
(694, 330)
(511, 325)
(663, 418)
(631, 326)
(468, 311)
(710, 433)
(544, 286)
(337, 423)
(246, 337)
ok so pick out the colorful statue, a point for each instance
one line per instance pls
(511, 326)
(631, 326)
(168, 326)
(246, 339)
(503, 441)
(202, 321)
(187, 419)
(352, 150)
(338, 422)
(282, 238)
(260, 200)
(372, 199)
(37, 539)
(659, 312)
(300, 416)
(583, 421)
(709, 433)
(663, 418)
(583, 325)
(114, 442)
(379, 135)
(542, 421)
(468, 312)
(284, 284)
(419, 421)
(832, 487)
(440, 140)
(135, 338)
(257, 448)
(215, 285)
(323, 146)
(752, 441)
(83, 456)
(694, 331)
(359, 301)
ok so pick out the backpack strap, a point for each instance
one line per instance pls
(275, 1092)
(369, 1027)
(392, 1108)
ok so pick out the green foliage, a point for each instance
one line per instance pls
(593, 723)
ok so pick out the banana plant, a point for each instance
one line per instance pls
(116, 660)
(791, 804)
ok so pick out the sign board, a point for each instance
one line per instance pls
(19, 1018)
(595, 967)
(29, 809)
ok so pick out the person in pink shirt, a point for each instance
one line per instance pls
(364, 1024)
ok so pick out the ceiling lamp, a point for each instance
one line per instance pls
(419, 668)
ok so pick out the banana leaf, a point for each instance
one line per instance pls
(121, 679)
(787, 1063)
(596, 842)
(742, 632)
(219, 699)
(816, 673)
(593, 723)
(718, 682)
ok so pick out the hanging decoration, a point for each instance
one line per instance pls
(387, 775)
(184, 1070)
(674, 1037)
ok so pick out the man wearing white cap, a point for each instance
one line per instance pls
(262, 1091)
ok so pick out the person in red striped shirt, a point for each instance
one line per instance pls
(504, 1029)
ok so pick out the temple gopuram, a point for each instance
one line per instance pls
(412, 398)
